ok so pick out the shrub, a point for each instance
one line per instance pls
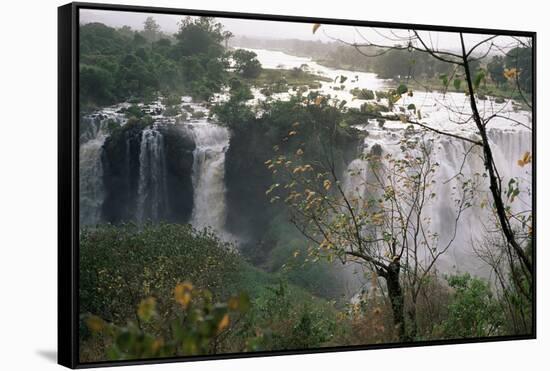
(283, 317)
(473, 311)
(197, 328)
(362, 93)
(121, 265)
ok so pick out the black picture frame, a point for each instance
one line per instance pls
(68, 175)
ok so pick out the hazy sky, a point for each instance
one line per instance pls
(287, 30)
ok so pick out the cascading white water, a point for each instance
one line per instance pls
(508, 146)
(211, 143)
(92, 137)
(447, 112)
(91, 180)
(152, 192)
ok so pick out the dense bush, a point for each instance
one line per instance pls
(121, 265)
(282, 317)
(199, 326)
(127, 279)
(473, 310)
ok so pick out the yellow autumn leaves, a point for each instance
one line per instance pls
(193, 330)
(95, 323)
(309, 194)
(302, 169)
(146, 309)
(526, 159)
(183, 294)
(224, 323)
(511, 73)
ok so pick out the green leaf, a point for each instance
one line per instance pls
(479, 77)
(444, 79)
(113, 353)
(402, 89)
(244, 302)
(411, 107)
(124, 340)
(457, 83)
(343, 124)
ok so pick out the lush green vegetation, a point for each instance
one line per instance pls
(120, 64)
(166, 289)
(129, 308)
(473, 309)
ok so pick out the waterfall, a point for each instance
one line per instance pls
(508, 146)
(91, 180)
(146, 149)
(152, 193)
(211, 143)
(93, 132)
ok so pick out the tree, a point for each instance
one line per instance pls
(463, 64)
(151, 29)
(202, 35)
(96, 85)
(374, 215)
(226, 36)
(495, 182)
(246, 63)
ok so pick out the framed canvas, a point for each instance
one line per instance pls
(236, 185)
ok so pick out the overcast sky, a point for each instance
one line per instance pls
(286, 30)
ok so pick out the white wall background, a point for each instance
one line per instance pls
(28, 156)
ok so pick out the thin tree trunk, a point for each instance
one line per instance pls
(494, 181)
(395, 294)
(412, 317)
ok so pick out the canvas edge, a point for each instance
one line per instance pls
(67, 310)
(68, 352)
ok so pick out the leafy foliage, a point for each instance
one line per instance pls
(473, 311)
(198, 325)
(121, 265)
(280, 319)
(246, 63)
(120, 64)
(520, 59)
